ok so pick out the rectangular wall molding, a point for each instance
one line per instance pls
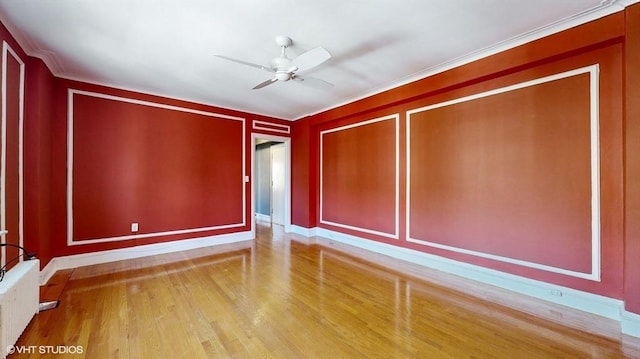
(70, 169)
(323, 214)
(594, 273)
(271, 127)
(6, 52)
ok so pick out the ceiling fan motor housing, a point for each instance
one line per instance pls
(283, 68)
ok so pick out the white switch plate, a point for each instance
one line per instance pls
(134, 227)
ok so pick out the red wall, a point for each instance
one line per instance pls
(37, 158)
(303, 179)
(632, 158)
(503, 181)
(37, 112)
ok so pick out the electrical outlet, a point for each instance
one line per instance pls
(134, 227)
(556, 292)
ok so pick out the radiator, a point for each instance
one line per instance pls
(19, 301)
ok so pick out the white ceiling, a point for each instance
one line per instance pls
(167, 47)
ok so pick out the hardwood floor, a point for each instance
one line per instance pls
(284, 298)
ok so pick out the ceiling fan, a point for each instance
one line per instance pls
(285, 69)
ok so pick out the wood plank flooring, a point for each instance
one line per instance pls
(284, 298)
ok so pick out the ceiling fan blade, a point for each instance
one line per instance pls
(265, 83)
(246, 63)
(314, 82)
(311, 59)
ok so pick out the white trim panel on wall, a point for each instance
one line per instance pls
(594, 274)
(395, 234)
(272, 127)
(6, 51)
(70, 241)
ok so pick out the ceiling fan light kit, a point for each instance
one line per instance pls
(285, 69)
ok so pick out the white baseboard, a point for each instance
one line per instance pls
(307, 232)
(47, 272)
(584, 301)
(263, 217)
(630, 323)
(85, 259)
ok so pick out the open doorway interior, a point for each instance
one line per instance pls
(270, 177)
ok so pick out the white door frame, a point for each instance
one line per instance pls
(287, 178)
(277, 178)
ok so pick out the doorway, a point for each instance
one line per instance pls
(271, 185)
